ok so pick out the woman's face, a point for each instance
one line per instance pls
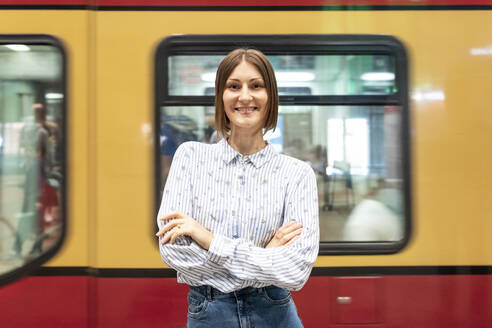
(245, 98)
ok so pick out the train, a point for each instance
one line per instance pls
(387, 100)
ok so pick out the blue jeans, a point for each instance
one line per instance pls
(266, 307)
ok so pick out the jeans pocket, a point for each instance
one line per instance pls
(276, 295)
(196, 305)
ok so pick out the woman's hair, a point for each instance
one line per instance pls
(226, 66)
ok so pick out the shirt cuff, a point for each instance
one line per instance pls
(220, 249)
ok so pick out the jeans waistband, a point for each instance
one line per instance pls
(210, 292)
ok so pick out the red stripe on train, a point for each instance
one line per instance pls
(45, 2)
(424, 301)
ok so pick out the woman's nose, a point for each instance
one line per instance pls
(245, 95)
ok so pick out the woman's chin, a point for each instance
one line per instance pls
(246, 128)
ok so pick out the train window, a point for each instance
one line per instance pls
(296, 74)
(343, 109)
(32, 152)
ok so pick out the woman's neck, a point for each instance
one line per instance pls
(246, 144)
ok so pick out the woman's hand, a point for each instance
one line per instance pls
(286, 235)
(184, 225)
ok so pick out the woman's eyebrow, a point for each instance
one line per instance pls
(252, 79)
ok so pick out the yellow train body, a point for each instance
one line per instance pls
(111, 111)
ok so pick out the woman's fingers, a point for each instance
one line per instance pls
(287, 228)
(290, 242)
(285, 234)
(172, 235)
(288, 225)
(169, 226)
(177, 232)
(166, 238)
(287, 237)
(173, 229)
(292, 227)
(284, 229)
(172, 215)
(183, 225)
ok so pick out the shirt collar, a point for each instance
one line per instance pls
(258, 159)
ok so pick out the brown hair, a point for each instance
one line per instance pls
(226, 66)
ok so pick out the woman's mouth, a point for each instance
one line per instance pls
(245, 110)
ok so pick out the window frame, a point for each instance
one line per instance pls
(46, 40)
(304, 44)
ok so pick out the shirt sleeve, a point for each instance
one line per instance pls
(184, 255)
(286, 266)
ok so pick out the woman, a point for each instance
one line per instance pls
(239, 222)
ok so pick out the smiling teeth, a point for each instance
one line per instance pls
(246, 109)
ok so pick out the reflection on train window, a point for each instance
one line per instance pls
(354, 151)
(296, 74)
(343, 109)
(31, 152)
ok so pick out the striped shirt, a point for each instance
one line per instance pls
(243, 201)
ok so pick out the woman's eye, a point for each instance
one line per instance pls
(233, 86)
(257, 86)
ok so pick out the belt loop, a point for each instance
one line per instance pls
(209, 293)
